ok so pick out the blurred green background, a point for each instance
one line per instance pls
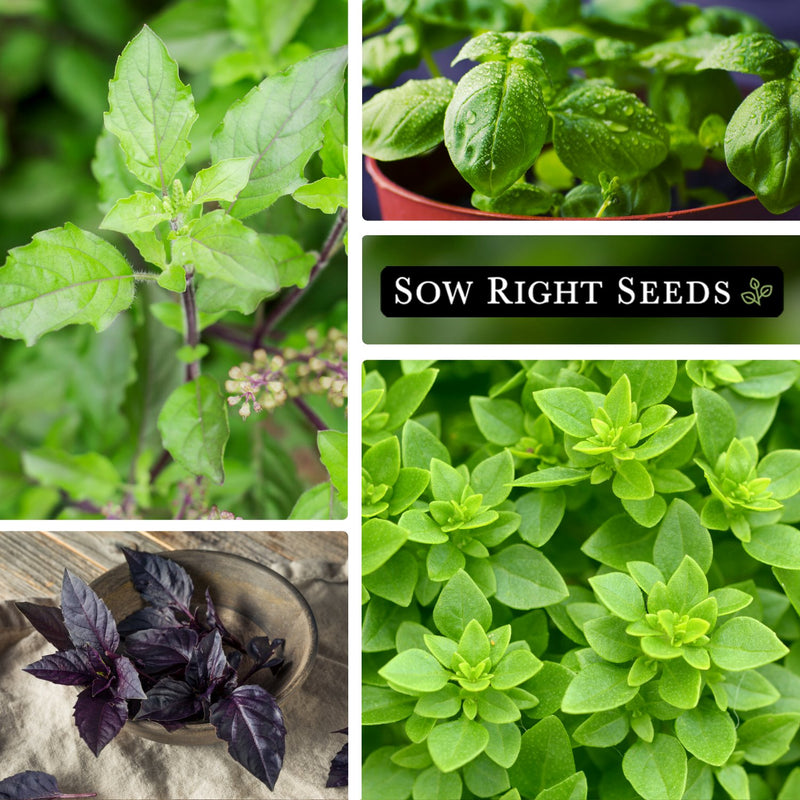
(736, 252)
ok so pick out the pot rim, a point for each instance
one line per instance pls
(385, 183)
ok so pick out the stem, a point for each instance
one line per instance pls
(137, 276)
(159, 466)
(191, 325)
(310, 415)
(432, 66)
(291, 299)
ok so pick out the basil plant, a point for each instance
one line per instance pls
(581, 579)
(599, 109)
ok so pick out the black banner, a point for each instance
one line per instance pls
(466, 291)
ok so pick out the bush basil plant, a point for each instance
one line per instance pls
(207, 224)
(169, 663)
(581, 582)
(606, 108)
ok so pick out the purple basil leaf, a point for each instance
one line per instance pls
(86, 616)
(49, 621)
(250, 721)
(170, 701)
(99, 719)
(32, 785)
(148, 618)
(235, 659)
(159, 650)
(160, 582)
(338, 772)
(128, 685)
(213, 621)
(68, 667)
(207, 665)
(266, 653)
(28, 785)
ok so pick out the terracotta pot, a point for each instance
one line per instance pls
(429, 178)
(251, 600)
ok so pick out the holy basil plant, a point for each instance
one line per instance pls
(604, 108)
(206, 272)
(170, 663)
(581, 580)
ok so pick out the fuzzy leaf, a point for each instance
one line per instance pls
(221, 181)
(223, 249)
(280, 123)
(65, 276)
(194, 427)
(151, 111)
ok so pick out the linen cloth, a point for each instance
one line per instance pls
(37, 731)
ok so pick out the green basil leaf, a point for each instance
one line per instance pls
(681, 534)
(777, 545)
(64, 276)
(454, 744)
(460, 602)
(568, 408)
(618, 541)
(406, 121)
(708, 733)
(680, 684)
(754, 53)
(545, 758)
(151, 111)
(526, 578)
(495, 125)
(656, 770)
(744, 643)
(500, 421)
(381, 705)
(432, 782)
(541, 514)
(598, 687)
(761, 145)
(782, 467)
(748, 690)
(385, 780)
(415, 671)
(419, 446)
(603, 728)
(594, 119)
(220, 247)
(222, 181)
(281, 124)
(620, 594)
(194, 427)
(140, 212)
(484, 777)
(766, 738)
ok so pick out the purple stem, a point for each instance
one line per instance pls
(291, 299)
(309, 414)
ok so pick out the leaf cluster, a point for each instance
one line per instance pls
(548, 610)
(170, 663)
(589, 109)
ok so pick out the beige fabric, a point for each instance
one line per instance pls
(37, 730)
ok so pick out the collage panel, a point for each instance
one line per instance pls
(186, 664)
(173, 289)
(576, 109)
(587, 289)
(580, 579)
